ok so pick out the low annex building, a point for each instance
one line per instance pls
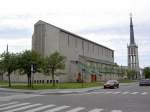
(85, 59)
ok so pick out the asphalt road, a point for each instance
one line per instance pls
(125, 99)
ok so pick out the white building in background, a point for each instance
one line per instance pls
(85, 59)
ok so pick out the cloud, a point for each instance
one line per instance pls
(15, 45)
(103, 21)
(9, 32)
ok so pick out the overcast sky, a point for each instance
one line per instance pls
(103, 21)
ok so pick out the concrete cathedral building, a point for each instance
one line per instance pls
(85, 59)
(133, 59)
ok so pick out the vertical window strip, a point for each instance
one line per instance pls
(75, 42)
(68, 40)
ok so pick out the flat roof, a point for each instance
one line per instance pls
(75, 35)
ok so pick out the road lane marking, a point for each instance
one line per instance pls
(8, 104)
(22, 108)
(57, 108)
(76, 109)
(96, 110)
(12, 106)
(134, 93)
(124, 93)
(116, 111)
(108, 92)
(116, 92)
(40, 108)
(144, 93)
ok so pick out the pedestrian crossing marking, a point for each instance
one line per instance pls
(134, 93)
(110, 92)
(57, 108)
(144, 93)
(18, 96)
(8, 104)
(116, 111)
(28, 107)
(12, 106)
(22, 108)
(97, 110)
(40, 108)
(116, 92)
(76, 109)
(124, 93)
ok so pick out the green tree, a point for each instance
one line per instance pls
(26, 60)
(131, 74)
(52, 63)
(146, 72)
(1, 69)
(9, 63)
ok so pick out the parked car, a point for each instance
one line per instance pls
(144, 82)
(111, 84)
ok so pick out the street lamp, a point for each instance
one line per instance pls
(83, 70)
(33, 70)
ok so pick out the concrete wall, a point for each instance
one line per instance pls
(70, 45)
(51, 40)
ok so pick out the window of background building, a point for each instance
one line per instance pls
(88, 46)
(76, 43)
(93, 48)
(68, 40)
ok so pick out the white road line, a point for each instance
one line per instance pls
(40, 108)
(76, 109)
(57, 109)
(116, 111)
(8, 104)
(144, 93)
(22, 108)
(108, 92)
(124, 93)
(116, 92)
(96, 110)
(134, 93)
(12, 106)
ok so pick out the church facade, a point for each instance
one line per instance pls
(85, 59)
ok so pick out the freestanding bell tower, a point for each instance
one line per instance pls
(133, 61)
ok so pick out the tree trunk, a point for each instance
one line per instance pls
(9, 79)
(53, 82)
(28, 79)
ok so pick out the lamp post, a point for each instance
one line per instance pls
(83, 70)
(33, 70)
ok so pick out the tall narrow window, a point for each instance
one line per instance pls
(88, 46)
(68, 40)
(83, 46)
(98, 51)
(93, 48)
(75, 42)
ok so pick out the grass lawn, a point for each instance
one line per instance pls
(126, 81)
(57, 86)
(4, 84)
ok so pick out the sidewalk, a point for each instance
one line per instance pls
(56, 91)
(49, 91)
